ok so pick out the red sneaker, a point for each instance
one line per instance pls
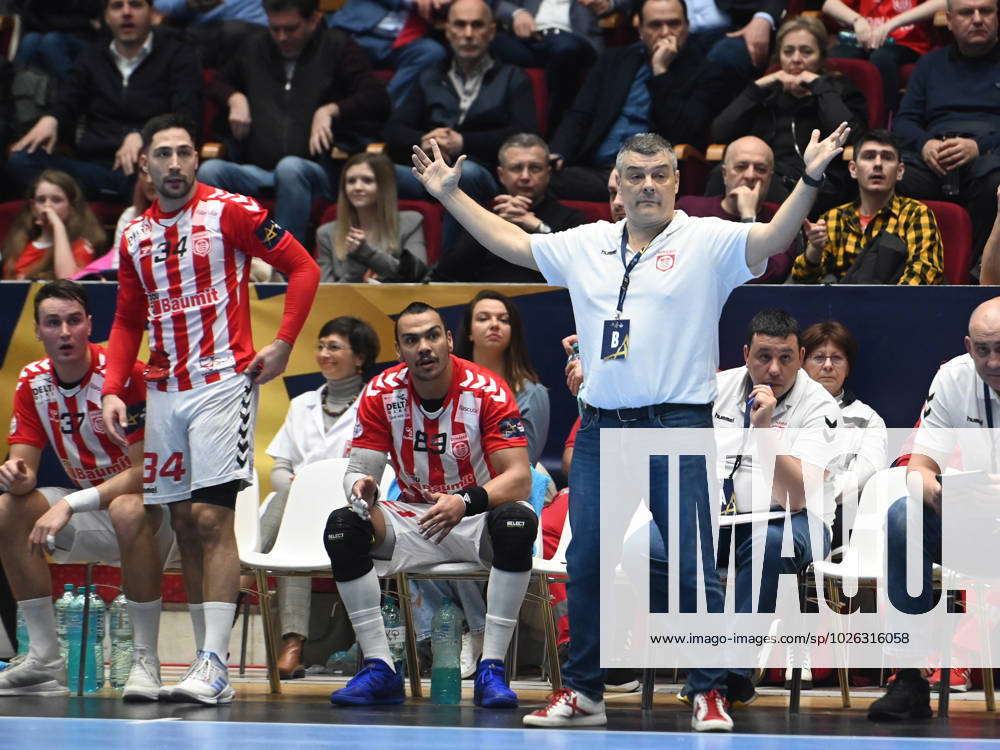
(960, 680)
(711, 713)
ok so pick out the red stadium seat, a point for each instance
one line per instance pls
(433, 214)
(540, 90)
(867, 78)
(593, 211)
(956, 235)
(8, 212)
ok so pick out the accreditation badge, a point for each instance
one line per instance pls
(614, 345)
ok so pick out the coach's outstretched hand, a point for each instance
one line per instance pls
(437, 176)
(819, 153)
(270, 362)
(115, 417)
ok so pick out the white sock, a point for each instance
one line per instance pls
(504, 595)
(198, 625)
(40, 617)
(362, 598)
(218, 625)
(145, 618)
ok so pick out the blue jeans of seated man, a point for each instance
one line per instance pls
(582, 671)
(295, 181)
(896, 549)
(428, 595)
(98, 181)
(407, 61)
(54, 51)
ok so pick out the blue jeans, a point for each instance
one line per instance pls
(295, 181)
(407, 61)
(896, 556)
(98, 182)
(53, 51)
(582, 671)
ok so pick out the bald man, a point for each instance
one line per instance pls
(963, 397)
(747, 169)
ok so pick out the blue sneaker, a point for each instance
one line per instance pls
(491, 689)
(375, 685)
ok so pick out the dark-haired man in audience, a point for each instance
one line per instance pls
(949, 119)
(112, 91)
(880, 238)
(292, 93)
(747, 169)
(660, 84)
(524, 174)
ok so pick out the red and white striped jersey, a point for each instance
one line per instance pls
(69, 419)
(448, 451)
(185, 274)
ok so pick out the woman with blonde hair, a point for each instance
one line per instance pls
(371, 239)
(55, 234)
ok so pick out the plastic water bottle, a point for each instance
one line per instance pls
(343, 662)
(121, 642)
(95, 636)
(394, 631)
(446, 642)
(63, 604)
(74, 635)
(22, 632)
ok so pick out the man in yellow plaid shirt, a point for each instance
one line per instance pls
(880, 238)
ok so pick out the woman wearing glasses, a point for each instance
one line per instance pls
(319, 425)
(831, 351)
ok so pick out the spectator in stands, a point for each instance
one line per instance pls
(292, 94)
(615, 205)
(830, 353)
(52, 34)
(469, 106)
(370, 238)
(991, 253)
(492, 336)
(216, 27)
(747, 169)
(949, 118)
(319, 425)
(784, 107)
(562, 37)
(659, 84)
(111, 93)
(394, 34)
(55, 235)
(890, 35)
(879, 238)
(524, 173)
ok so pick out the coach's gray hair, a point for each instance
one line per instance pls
(647, 144)
(524, 140)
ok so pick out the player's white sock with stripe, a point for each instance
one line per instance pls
(145, 618)
(218, 625)
(40, 618)
(504, 596)
(362, 598)
(198, 625)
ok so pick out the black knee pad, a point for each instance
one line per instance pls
(512, 528)
(223, 495)
(348, 540)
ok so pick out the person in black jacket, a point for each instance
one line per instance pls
(524, 173)
(293, 92)
(469, 106)
(660, 84)
(113, 90)
(784, 107)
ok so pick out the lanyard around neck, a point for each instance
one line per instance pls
(631, 265)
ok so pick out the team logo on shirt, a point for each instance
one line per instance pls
(665, 260)
(511, 427)
(270, 233)
(460, 447)
(97, 422)
(201, 243)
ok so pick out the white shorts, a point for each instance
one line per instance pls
(198, 438)
(90, 537)
(467, 542)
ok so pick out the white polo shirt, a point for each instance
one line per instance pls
(303, 438)
(863, 443)
(954, 412)
(674, 301)
(807, 406)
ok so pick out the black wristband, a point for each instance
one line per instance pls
(476, 500)
(813, 183)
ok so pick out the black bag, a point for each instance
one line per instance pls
(881, 261)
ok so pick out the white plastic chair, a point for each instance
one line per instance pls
(543, 572)
(298, 549)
